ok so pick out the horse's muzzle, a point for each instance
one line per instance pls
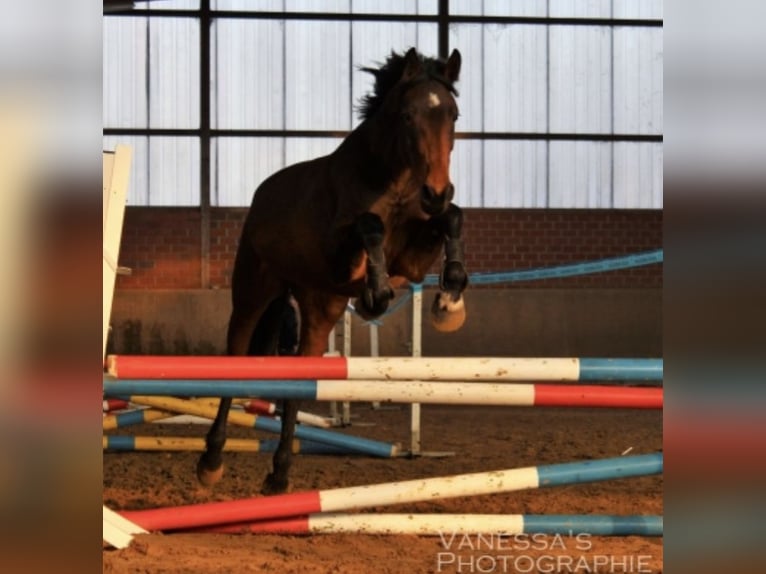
(434, 203)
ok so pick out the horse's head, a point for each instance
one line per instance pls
(418, 107)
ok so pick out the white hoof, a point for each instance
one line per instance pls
(447, 315)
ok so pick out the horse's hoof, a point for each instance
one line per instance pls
(209, 477)
(453, 277)
(273, 486)
(373, 304)
(447, 315)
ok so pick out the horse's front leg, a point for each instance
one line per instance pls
(369, 232)
(448, 309)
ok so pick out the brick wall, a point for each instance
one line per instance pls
(163, 245)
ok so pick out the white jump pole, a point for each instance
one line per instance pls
(332, 351)
(374, 352)
(346, 418)
(417, 338)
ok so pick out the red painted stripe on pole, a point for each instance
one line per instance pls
(260, 407)
(219, 367)
(232, 511)
(115, 404)
(598, 396)
(296, 525)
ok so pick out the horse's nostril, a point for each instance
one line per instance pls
(434, 203)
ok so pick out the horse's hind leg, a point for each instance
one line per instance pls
(319, 313)
(256, 296)
(448, 309)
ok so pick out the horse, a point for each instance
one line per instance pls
(357, 223)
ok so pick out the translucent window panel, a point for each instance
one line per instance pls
(580, 174)
(638, 175)
(638, 9)
(580, 79)
(317, 75)
(239, 165)
(164, 171)
(466, 172)
(331, 6)
(252, 5)
(343, 6)
(515, 173)
(372, 43)
(503, 80)
(581, 8)
(303, 149)
(174, 171)
(515, 78)
(247, 68)
(174, 83)
(167, 5)
(394, 6)
(468, 38)
(638, 81)
(124, 73)
(138, 183)
(498, 7)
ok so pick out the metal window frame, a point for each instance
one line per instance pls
(443, 19)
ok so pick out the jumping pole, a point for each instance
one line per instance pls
(357, 497)
(449, 524)
(347, 442)
(428, 392)
(164, 443)
(387, 368)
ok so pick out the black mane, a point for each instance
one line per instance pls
(387, 76)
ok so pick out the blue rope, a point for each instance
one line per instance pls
(395, 307)
(570, 270)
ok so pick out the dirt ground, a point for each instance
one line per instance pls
(482, 438)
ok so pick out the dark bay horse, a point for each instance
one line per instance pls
(359, 223)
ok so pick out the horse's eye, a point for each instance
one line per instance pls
(407, 117)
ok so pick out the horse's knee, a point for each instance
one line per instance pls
(369, 224)
(447, 312)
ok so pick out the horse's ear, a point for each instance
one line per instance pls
(413, 66)
(452, 68)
